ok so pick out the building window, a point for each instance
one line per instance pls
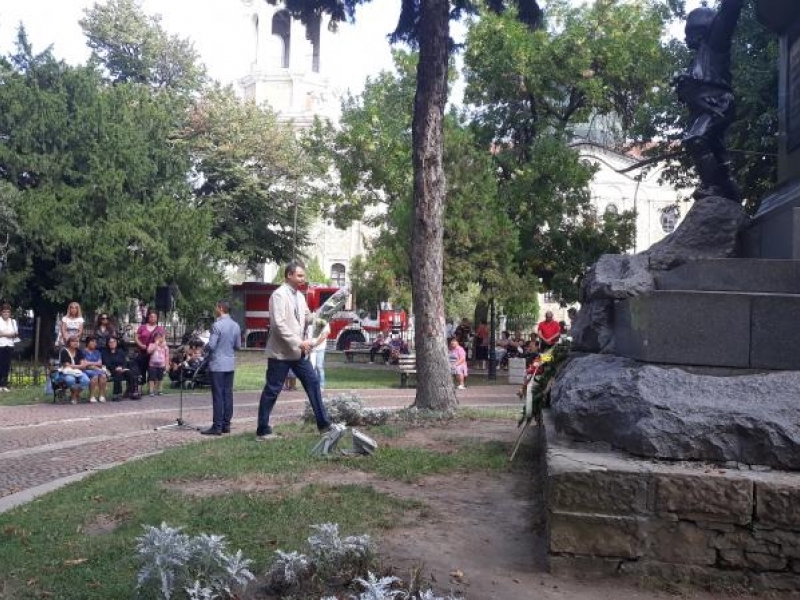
(549, 297)
(282, 29)
(670, 217)
(337, 274)
(612, 209)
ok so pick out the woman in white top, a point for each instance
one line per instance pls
(71, 323)
(8, 332)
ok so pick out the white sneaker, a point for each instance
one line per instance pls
(101, 399)
(92, 399)
(4, 389)
(461, 387)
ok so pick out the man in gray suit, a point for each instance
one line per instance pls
(225, 339)
(287, 349)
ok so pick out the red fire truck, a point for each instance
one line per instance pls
(251, 311)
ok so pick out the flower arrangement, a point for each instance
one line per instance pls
(325, 313)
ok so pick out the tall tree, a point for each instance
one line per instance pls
(133, 47)
(534, 94)
(104, 209)
(250, 172)
(365, 163)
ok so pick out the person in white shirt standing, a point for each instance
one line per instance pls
(317, 356)
(8, 333)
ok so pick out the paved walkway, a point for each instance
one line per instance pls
(43, 446)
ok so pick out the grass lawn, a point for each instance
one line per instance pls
(251, 370)
(78, 543)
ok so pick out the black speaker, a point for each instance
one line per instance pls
(163, 299)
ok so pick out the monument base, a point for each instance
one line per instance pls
(695, 523)
(775, 230)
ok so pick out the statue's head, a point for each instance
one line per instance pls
(698, 25)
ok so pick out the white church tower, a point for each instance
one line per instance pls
(288, 71)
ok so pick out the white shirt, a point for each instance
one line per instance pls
(8, 326)
(72, 324)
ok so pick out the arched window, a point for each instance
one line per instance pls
(313, 34)
(337, 274)
(612, 209)
(670, 217)
(282, 29)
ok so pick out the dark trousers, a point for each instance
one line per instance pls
(222, 399)
(128, 376)
(276, 375)
(5, 364)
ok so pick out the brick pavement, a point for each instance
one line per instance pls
(44, 444)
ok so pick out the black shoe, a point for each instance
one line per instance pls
(226, 430)
(211, 431)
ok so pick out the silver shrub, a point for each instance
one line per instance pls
(332, 553)
(290, 568)
(378, 589)
(199, 566)
(348, 409)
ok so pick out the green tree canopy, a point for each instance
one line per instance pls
(133, 47)
(250, 172)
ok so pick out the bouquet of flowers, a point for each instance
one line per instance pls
(323, 315)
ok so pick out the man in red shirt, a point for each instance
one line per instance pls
(549, 331)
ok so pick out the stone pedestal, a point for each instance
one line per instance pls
(611, 514)
(716, 312)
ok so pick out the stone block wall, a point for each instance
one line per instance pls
(691, 522)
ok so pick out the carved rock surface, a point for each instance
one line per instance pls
(612, 277)
(617, 276)
(710, 230)
(661, 412)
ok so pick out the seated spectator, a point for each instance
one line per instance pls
(70, 360)
(185, 362)
(115, 359)
(501, 350)
(378, 345)
(93, 367)
(458, 362)
(104, 330)
(394, 349)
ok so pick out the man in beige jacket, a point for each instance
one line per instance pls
(287, 349)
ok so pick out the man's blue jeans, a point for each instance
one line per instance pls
(222, 398)
(276, 375)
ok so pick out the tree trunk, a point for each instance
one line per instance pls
(434, 383)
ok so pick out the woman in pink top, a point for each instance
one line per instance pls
(458, 362)
(146, 335)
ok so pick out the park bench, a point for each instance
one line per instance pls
(355, 349)
(407, 365)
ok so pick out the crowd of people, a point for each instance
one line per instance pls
(89, 357)
(467, 346)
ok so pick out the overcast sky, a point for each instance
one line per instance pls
(218, 29)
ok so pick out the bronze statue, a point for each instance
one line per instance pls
(705, 88)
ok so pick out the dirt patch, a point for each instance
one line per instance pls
(477, 535)
(101, 525)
